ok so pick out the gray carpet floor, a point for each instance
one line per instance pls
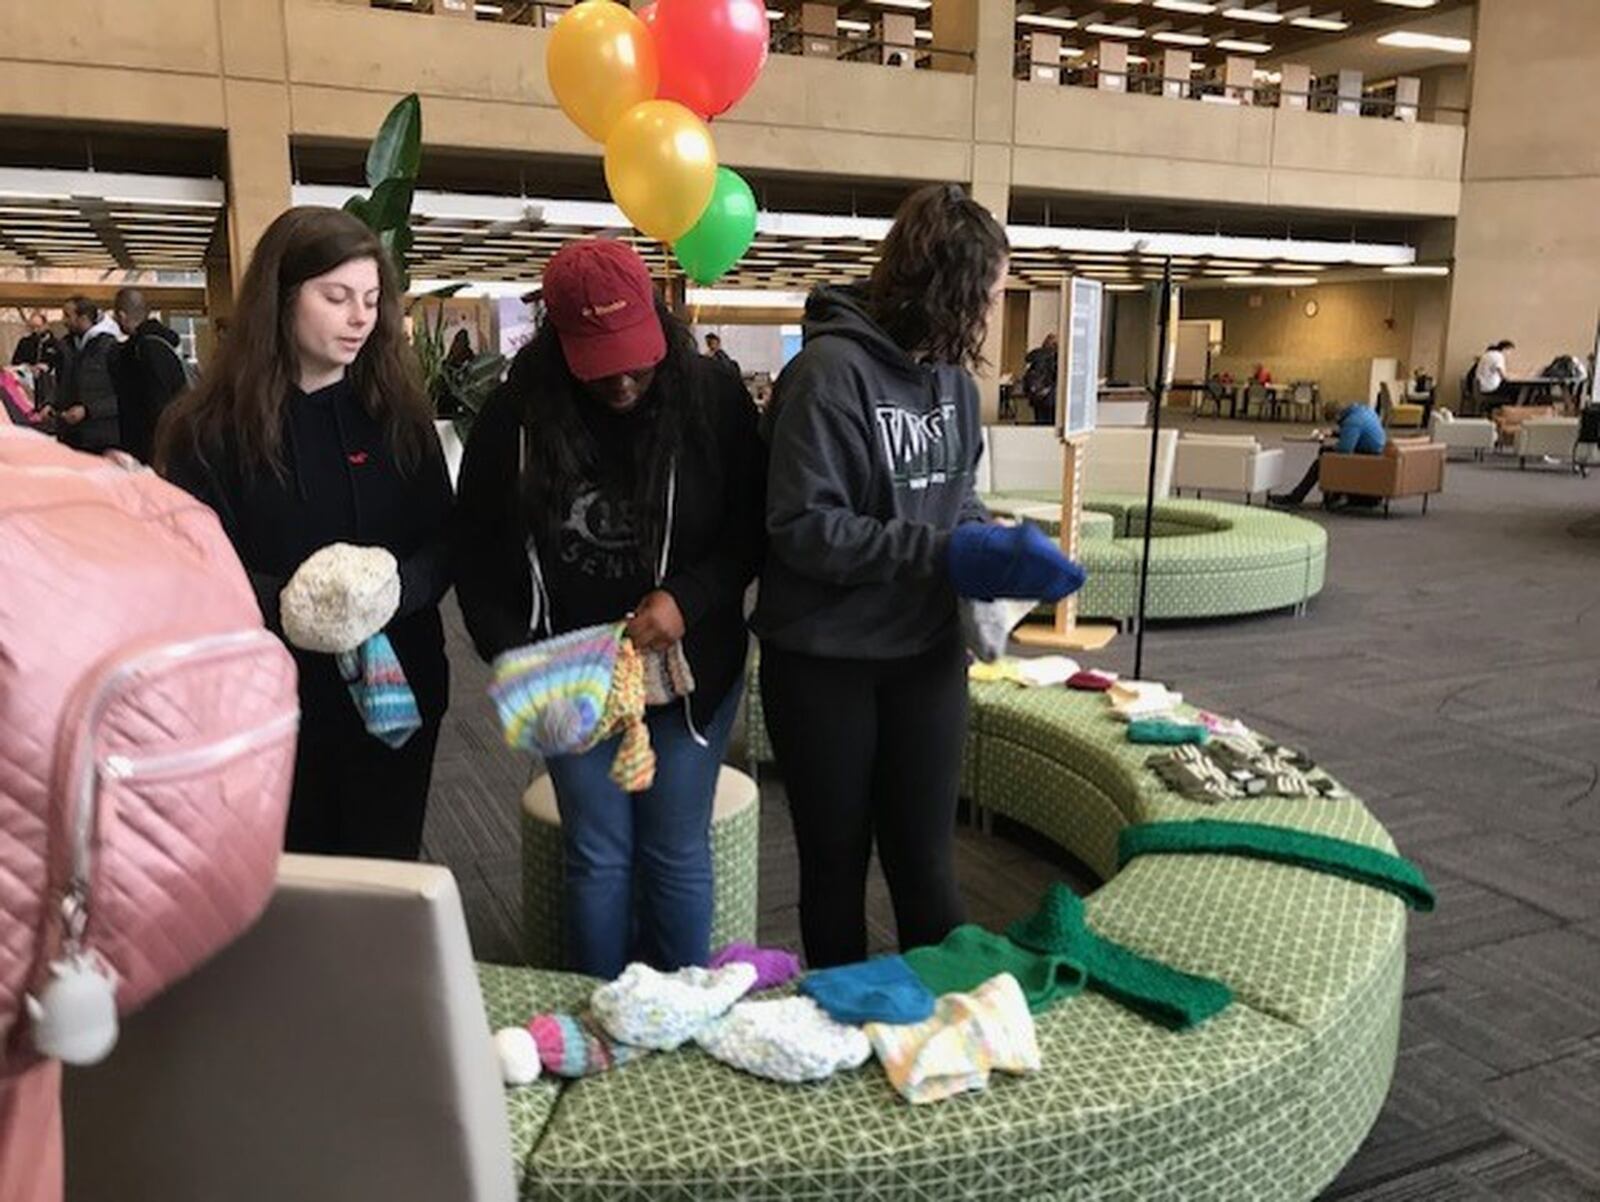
(1450, 676)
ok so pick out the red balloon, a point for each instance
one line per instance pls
(710, 50)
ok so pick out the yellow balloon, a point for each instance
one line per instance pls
(601, 61)
(661, 167)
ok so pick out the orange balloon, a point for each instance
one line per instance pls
(661, 167)
(602, 62)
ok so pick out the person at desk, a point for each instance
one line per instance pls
(1360, 433)
(1490, 379)
(1039, 380)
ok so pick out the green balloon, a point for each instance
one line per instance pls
(723, 233)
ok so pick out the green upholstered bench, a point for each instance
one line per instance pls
(1208, 559)
(735, 854)
(1266, 1101)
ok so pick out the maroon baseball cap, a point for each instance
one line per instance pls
(598, 296)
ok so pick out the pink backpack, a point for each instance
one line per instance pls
(147, 731)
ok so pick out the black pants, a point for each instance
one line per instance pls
(870, 749)
(1308, 481)
(355, 796)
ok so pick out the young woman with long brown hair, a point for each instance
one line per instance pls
(875, 437)
(311, 431)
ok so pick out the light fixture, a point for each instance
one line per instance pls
(1333, 24)
(1430, 269)
(776, 14)
(1046, 22)
(919, 6)
(1182, 39)
(1407, 39)
(853, 26)
(1410, 3)
(1198, 7)
(1274, 281)
(1243, 47)
(1262, 16)
(1114, 31)
(1072, 52)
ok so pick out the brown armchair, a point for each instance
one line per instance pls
(1408, 467)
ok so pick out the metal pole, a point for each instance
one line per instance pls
(1162, 384)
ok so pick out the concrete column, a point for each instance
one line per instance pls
(1295, 87)
(1176, 74)
(1527, 249)
(1350, 93)
(1044, 57)
(898, 33)
(1113, 60)
(453, 8)
(1407, 97)
(1239, 79)
(258, 163)
(819, 30)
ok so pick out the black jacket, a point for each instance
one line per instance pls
(594, 571)
(341, 484)
(873, 460)
(86, 381)
(37, 349)
(147, 372)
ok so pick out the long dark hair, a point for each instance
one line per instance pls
(238, 405)
(930, 289)
(562, 453)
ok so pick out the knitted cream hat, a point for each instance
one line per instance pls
(339, 597)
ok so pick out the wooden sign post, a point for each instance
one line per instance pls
(1077, 394)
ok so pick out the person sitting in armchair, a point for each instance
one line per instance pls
(1359, 433)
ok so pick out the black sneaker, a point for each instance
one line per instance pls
(1282, 500)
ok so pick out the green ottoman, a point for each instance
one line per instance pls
(735, 855)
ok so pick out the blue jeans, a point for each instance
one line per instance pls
(638, 866)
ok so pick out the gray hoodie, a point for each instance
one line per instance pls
(873, 457)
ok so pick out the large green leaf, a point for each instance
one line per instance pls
(396, 153)
(358, 208)
(395, 244)
(389, 207)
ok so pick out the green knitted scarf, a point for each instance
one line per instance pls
(1320, 853)
(1174, 999)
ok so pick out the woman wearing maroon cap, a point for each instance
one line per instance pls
(618, 475)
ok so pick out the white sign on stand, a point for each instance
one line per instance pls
(1077, 410)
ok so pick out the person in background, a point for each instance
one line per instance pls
(1359, 433)
(617, 476)
(1489, 376)
(85, 405)
(147, 371)
(38, 347)
(311, 436)
(875, 436)
(721, 358)
(1039, 380)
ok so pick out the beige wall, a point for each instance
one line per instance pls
(1528, 238)
(1355, 323)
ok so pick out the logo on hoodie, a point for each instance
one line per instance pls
(922, 447)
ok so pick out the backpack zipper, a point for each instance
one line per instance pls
(198, 759)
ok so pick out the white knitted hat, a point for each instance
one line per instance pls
(340, 597)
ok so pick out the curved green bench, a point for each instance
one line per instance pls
(1208, 559)
(1266, 1101)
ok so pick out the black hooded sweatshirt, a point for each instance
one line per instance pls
(341, 484)
(873, 458)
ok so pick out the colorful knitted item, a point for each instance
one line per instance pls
(575, 1046)
(970, 955)
(667, 675)
(773, 966)
(567, 695)
(1230, 767)
(882, 990)
(1166, 731)
(1174, 999)
(664, 1011)
(789, 1039)
(378, 686)
(1319, 853)
(969, 1036)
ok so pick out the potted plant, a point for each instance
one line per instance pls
(457, 387)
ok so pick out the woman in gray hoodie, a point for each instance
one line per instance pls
(875, 437)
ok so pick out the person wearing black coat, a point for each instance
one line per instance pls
(147, 372)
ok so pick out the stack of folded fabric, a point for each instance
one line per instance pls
(1232, 767)
(1037, 672)
(1132, 699)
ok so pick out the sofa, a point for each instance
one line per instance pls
(1471, 435)
(1408, 467)
(340, 1050)
(1027, 459)
(1508, 420)
(1226, 463)
(1556, 437)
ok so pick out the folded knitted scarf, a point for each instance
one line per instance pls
(1164, 995)
(1165, 730)
(970, 955)
(969, 1036)
(378, 686)
(1320, 853)
(883, 990)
